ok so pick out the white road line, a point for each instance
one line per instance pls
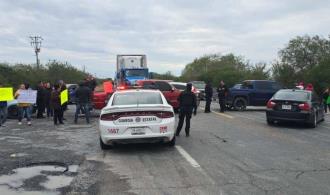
(187, 157)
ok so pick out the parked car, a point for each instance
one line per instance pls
(200, 86)
(170, 92)
(295, 105)
(251, 93)
(137, 115)
(182, 86)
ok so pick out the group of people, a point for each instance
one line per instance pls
(188, 104)
(47, 102)
(222, 94)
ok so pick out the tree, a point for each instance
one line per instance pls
(13, 75)
(303, 53)
(304, 59)
(230, 68)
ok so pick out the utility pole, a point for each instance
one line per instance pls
(36, 44)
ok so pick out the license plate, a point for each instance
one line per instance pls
(138, 131)
(286, 107)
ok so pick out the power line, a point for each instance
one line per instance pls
(36, 44)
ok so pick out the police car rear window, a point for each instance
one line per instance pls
(134, 98)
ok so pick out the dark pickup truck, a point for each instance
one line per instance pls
(251, 93)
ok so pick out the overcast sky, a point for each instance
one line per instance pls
(170, 32)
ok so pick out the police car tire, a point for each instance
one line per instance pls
(172, 142)
(105, 146)
(243, 102)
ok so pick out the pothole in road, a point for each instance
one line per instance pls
(37, 179)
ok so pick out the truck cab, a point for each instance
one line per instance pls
(131, 68)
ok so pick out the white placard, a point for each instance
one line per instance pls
(27, 96)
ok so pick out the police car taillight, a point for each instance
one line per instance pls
(165, 114)
(115, 116)
(109, 117)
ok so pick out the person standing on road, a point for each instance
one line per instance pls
(55, 103)
(222, 94)
(328, 100)
(3, 112)
(83, 100)
(91, 82)
(40, 100)
(48, 93)
(188, 105)
(24, 109)
(326, 94)
(208, 96)
(64, 106)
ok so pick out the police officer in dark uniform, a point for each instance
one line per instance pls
(222, 93)
(188, 105)
(208, 96)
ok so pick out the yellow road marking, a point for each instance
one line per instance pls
(220, 114)
(223, 114)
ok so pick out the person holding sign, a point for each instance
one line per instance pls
(24, 109)
(55, 103)
(64, 106)
(6, 95)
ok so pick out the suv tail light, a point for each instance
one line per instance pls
(115, 116)
(305, 106)
(271, 104)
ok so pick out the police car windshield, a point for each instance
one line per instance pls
(134, 98)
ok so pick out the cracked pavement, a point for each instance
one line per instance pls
(240, 154)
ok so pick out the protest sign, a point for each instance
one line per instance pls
(6, 94)
(64, 96)
(27, 96)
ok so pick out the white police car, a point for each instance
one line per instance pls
(135, 116)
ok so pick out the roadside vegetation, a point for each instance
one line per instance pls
(13, 75)
(304, 58)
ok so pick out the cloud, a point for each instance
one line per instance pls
(171, 33)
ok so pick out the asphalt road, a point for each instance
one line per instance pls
(231, 153)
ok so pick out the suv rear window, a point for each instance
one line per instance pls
(292, 95)
(133, 98)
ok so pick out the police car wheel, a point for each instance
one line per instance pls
(105, 146)
(172, 142)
